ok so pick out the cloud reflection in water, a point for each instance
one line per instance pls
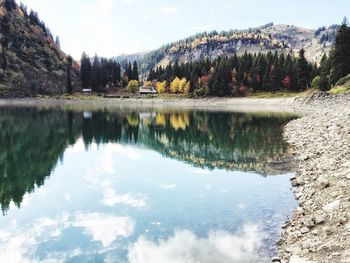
(186, 247)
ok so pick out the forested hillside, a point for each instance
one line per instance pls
(287, 39)
(31, 61)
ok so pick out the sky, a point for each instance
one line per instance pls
(113, 27)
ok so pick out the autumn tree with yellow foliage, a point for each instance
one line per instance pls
(180, 86)
(161, 87)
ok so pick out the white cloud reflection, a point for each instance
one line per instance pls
(105, 228)
(168, 186)
(186, 247)
(18, 244)
(77, 148)
(111, 198)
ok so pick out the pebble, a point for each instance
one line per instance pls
(329, 208)
(304, 230)
(318, 219)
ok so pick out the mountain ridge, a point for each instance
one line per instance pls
(270, 37)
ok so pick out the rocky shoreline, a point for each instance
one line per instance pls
(319, 230)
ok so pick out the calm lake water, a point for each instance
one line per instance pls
(142, 186)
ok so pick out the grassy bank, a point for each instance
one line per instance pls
(340, 90)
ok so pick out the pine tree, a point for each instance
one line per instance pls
(69, 78)
(303, 71)
(129, 71)
(85, 70)
(135, 71)
(325, 69)
(276, 77)
(221, 81)
(57, 40)
(96, 74)
(176, 70)
(116, 73)
(341, 53)
(10, 5)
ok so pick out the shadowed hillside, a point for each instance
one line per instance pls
(31, 62)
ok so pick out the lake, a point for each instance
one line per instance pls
(131, 185)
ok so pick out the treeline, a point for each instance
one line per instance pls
(103, 75)
(233, 76)
(337, 64)
(327, 34)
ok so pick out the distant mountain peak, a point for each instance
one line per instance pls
(270, 37)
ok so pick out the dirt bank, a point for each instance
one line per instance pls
(227, 104)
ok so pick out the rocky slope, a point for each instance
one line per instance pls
(320, 228)
(30, 60)
(281, 38)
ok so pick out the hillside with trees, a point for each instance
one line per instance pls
(31, 60)
(286, 39)
(336, 65)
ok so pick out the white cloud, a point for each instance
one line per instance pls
(169, 9)
(67, 197)
(111, 199)
(241, 206)
(19, 243)
(168, 186)
(186, 247)
(105, 228)
(78, 147)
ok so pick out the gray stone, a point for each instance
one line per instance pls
(276, 259)
(324, 184)
(299, 210)
(329, 208)
(308, 222)
(318, 219)
(304, 230)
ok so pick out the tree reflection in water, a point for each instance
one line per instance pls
(32, 141)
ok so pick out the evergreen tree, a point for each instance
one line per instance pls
(303, 71)
(341, 53)
(176, 70)
(276, 77)
(116, 73)
(85, 70)
(135, 71)
(325, 69)
(69, 74)
(129, 71)
(96, 74)
(221, 81)
(10, 5)
(57, 40)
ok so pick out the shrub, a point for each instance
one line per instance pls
(200, 92)
(316, 82)
(133, 86)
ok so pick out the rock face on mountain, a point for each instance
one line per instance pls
(281, 38)
(30, 61)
